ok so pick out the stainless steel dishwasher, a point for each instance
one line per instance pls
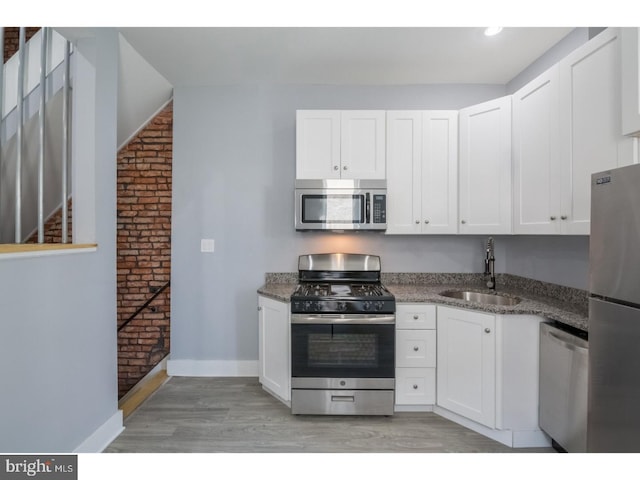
(564, 359)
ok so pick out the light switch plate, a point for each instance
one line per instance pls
(207, 245)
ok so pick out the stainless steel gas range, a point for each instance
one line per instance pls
(342, 337)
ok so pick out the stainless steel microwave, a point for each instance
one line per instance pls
(340, 204)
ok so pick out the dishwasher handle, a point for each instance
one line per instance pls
(567, 344)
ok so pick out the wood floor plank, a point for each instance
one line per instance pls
(234, 415)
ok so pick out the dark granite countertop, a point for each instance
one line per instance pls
(564, 304)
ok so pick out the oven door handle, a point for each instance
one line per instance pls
(353, 319)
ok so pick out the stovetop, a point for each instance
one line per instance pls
(353, 290)
(342, 298)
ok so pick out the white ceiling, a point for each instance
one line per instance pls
(195, 56)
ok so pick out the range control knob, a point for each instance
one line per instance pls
(341, 306)
(367, 305)
(379, 305)
(307, 306)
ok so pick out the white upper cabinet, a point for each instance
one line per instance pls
(630, 51)
(422, 172)
(317, 144)
(536, 156)
(404, 150)
(439, 172)
(340, 144)
(363, 144)
(590, 124)
(485, 168)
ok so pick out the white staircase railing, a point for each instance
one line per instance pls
(29, 82)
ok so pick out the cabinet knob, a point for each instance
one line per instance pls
(259, 308)
(344, 168)
(487, 330)
(415, 387)
(415, 349)
(417, 222)
(552, 218)
(563, 217)
(463, 221)
(415, 317)
(426, 222)
(335, 167)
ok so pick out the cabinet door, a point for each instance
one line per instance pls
(536, 156)
(439, 172)
(485, 168)
(590, 124)
(273, 347)
(317, 144)
(363, 144)
(630, 64)
(404, 148)
(466, 378)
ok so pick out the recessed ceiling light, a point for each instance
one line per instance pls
(491, 31)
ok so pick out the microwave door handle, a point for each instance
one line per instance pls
(368, 208)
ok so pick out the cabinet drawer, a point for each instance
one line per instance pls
(415, 386)
(415, 348)
(415, 316)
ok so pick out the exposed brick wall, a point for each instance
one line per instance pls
(144, 248)
(12, 39)
(53, 227)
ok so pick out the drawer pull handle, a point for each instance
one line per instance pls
(415, 387)
(343, 398)
(415, 317)
(415, 349)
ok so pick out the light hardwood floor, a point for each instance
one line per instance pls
(234, 415)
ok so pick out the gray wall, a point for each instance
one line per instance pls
(58, 314)
(568, 44)
(234, 170)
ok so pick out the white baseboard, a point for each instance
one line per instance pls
(413, 408)
(533, 438)
(510, 438)
(503, 436)
(212, 368)
(103, 436)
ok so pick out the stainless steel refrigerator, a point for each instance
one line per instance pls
(613, 421)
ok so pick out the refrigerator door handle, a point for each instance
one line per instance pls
(565, 344)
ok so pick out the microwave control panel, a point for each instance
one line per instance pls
(379, 214)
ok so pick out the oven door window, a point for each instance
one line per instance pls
(343, 351)
(334, 208)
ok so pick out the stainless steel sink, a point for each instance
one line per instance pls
(486, 298)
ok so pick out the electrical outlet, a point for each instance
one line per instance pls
(207, 245)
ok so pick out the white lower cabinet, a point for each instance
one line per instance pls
(273, 347)
(487, 374)
(466, 364)
(415, 357)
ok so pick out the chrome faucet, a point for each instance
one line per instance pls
(489, 265)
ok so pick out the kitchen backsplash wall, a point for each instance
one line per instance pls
(234, 171)
(556, 259)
